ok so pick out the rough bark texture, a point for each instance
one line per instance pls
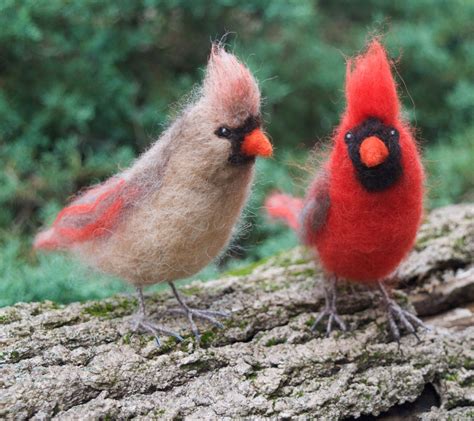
(80, 361)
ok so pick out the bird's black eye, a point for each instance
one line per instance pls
(349, 136)
(393, 132)
(223, 132)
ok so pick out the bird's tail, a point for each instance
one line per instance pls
(284, 207)
(46, 240)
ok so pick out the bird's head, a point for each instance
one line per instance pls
(371, 134)
(228, 112)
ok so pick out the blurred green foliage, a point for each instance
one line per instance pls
(86, 85)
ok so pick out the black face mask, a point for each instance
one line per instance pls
(386, 174)
(236, 138)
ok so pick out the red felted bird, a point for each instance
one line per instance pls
(174, 209)
(362, 212)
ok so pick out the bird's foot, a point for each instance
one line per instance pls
(207, 315)
(330, 309)
(400, 318)
(332, 316)
(191, 313)
(143, 324)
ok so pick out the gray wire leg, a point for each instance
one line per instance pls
(191, 313)
(330, 310)
(142, 322)
(398, 317)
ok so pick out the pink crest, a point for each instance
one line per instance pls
(229, 84)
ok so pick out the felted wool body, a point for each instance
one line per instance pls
(180, 227)
(174, 210)
(368, 233)
(362, 232)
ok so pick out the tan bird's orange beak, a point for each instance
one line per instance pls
(373, 151)
(257, 144)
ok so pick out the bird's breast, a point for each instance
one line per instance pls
(367, 235)
(176, 231)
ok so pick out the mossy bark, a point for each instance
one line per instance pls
(81, 362)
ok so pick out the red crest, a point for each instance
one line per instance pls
(370, 88)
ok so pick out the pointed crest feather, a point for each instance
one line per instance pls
(370, 87)
(229, 84)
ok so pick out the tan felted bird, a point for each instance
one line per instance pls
(173, 211)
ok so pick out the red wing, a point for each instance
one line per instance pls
(315, 210)
(89, 216)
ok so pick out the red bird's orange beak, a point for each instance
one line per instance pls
(257, 144)
(373, 151)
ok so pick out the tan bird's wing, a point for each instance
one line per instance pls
(91, 215)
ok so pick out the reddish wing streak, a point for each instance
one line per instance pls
(92, 215)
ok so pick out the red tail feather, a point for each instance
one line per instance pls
(45, 240)
(284, 207)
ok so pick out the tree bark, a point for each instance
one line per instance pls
(80, 361)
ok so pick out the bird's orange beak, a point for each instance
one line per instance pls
(373, 151)
(257, 144)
